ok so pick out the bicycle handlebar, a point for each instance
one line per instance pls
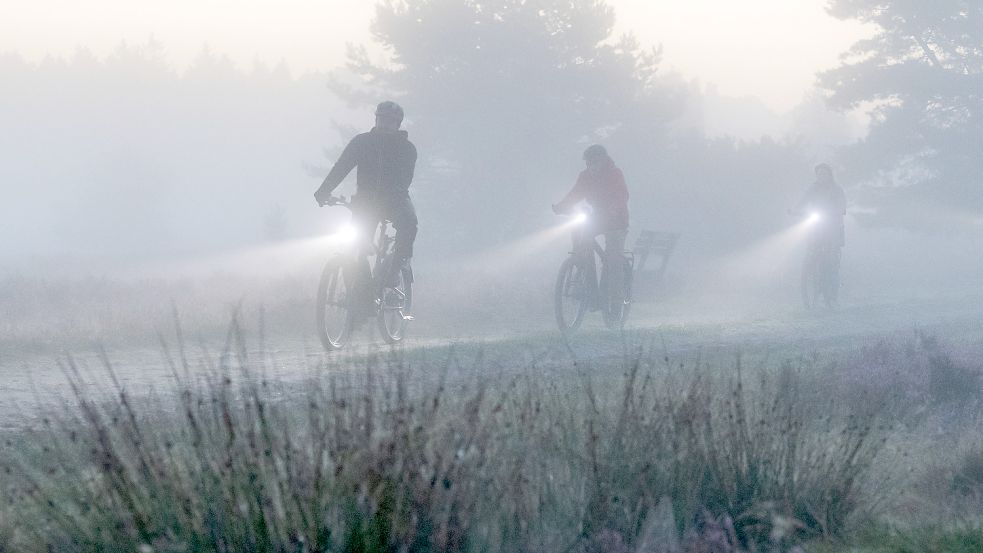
(333, 201)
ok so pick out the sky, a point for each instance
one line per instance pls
(768, 49)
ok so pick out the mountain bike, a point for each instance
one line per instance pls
(580, 289)
(821, 267)
(820, 276)
(354, 289)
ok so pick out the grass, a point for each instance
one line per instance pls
(378, 454)
(953, 537)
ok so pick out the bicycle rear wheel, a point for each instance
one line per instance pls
(812, 280)
(395, 304)
(616, 314)
(572, 295)
(334, 305)
(830, 277)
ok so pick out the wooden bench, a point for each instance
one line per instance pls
(657, 246)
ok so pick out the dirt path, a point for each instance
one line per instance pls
(32, 382)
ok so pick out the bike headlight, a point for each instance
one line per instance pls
(814, 218)
(346, 233)
(580, 218)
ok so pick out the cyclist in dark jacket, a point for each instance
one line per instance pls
(826, 199)
(825, 204)
(385, 159)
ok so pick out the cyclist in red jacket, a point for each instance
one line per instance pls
(602, 186)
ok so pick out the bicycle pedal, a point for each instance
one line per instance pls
(408, 318)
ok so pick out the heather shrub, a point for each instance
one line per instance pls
(377, 454)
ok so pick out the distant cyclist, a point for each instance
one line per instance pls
(602, 186)
(386, 160)
(825, 203)
(826, 200)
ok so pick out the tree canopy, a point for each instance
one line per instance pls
(502, 97)
(505, 95)
(922, 71)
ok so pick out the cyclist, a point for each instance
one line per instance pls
(602, 186)
(825, 199)
(386, 160)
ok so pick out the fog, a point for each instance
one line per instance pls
(786, 356)
(124, 169)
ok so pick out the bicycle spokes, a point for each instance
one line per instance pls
(334, 306)
(394, 307)
(573, 294)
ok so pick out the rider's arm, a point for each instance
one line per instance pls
(619, 190)
(840, 200)
(407, 167)
(804, 202)
(344, 165)
(577, 193)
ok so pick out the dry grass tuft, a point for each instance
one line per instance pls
(384, 456)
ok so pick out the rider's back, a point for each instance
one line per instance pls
(606, 193)
(828, 198)
(385, 162)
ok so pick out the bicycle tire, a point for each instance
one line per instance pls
(565, 287)
(395, 305)
(334, 296)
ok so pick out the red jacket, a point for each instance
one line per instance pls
(607, 195)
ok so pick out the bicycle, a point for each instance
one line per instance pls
(821, 266)
(351, 289)
(579, 289)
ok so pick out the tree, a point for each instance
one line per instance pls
(505, 95)
(923, 72)
(124, 155)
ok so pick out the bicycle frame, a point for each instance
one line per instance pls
(368, 291)
(590, 251)
(380, 246)
(820, 272)
(591, 294)
(820, 265)
(376, 244)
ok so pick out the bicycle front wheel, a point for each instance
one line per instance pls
(395, 303)
(334, 305)
(616, 314)
(811, 280)
(572, 295)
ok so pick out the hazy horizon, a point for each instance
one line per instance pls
(731, 47)
(711, 285)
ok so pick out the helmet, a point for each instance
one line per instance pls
(595, 152)
(824, 167)
(389, 109)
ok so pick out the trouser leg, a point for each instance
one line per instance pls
(835, 255)
(614, 248)
(403, 215)
(365, 219)
(583, 236)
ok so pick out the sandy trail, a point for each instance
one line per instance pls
(31, 382)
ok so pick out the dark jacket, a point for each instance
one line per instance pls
(605, 192)
(385, 162)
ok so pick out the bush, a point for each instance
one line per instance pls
(968, 479)
(238, 467)
(379, 455)
(764, 458)
(952, 538)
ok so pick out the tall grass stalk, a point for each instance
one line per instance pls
(383, 455)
